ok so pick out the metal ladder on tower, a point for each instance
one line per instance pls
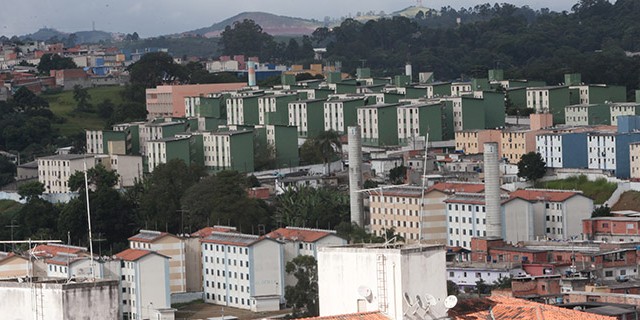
(382, 283)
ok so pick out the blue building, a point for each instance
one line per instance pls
(563, 149)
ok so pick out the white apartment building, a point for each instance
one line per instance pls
(577, 115)
(190, 105)
(70, 265)
(460, 88)
(298, 115)
(634, 157)
(167, 245)
(243, 271)
(465, 275)
(549, 146)
(334, 115)
(217, 150)
(408, 122)
(623, 109)
(156, 131)
(303, 241)
(95, 144)
(601, 151)
(266, 103)
(384, 278)
(54, 171)
(145, 286)
(156, 151)
(239, 106)
(466, 218)
(538, 99)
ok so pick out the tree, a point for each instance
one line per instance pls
(602, 211)
(531, 166)
(98, 177)
(329, 145)
(503, 283)
(156, 68)
(356, 234)
(397, 175)
(311, 207)
(482, 287)
(247, 37)
(303, 296)
(50, 61)
(452, 288)
(105, 109)
(7, 171)
(31, 190)
(81, 96)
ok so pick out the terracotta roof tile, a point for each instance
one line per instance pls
(507, 308)
(132, 254)
(543, 195)
(375, 315)
(299, 234)
(207, 231)
(455, 187)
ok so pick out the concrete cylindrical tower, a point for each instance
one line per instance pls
(492, 190)
(355, 175)
(408, 71)
(251, 66)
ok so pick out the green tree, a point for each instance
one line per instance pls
(81, 96)
(247, 37)
(311, 207)
(329, 145)
(154, 69)
(7, 171)
(98, 177)
(503, 283)
(31, 190)
(602, 211)
(398, 174)
(452, 288)
(370, 184)
(531, 166)
(105, 109)
(303, 296)
(356, 234)
(482, 287)
(54, 61)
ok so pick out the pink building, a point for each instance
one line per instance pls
(168, 101)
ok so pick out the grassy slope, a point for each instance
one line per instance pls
(599, 190)
(629, 200)
(62, 104)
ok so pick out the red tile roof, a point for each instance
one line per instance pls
(375, 315)
(50, 250)
(455, 187)
(507, 308)
(299, 234)
(207, 231)
(132, 254)
(542, 195)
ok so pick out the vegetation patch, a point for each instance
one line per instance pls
(629, 200)
(599, 190)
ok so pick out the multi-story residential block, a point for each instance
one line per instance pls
(623, 109)
(303, 241)
(532, 214)
(159, 130)
(132, 136)
(460, 88)
(144, 279)
(634, 160)
(587, 115)
(612, 229)
(378, 124)
(340, 113)
(466, 275)
(365, 275)
(108, 141)
(243, 271)
(428, 90)
(417, 119)
(165, 149)
(472, 141)
(414, 217)
(167, 245)
(68, 265)
(54, 171)
(477, 110)
(307, 115)
(284, 141)
(466, 218)
(610, 152)
(516, 143)
(168, 100)
(242, 108)
(597, 93)
(563, 149)
(549, 100)
(228, 150)
(273, 108)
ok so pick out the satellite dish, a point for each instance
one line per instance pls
(364, 291)
(430, 300)
(450, 302)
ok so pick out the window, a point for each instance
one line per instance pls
(608, 273)
(451, 274)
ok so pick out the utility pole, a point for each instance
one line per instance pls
(182, 211)
(12, 226)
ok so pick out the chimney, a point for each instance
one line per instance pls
(252, 73)
(355, 175)
(492, 190)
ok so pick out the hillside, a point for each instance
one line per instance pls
(272, 24)
(45, 34)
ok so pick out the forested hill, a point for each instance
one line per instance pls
(591, 39)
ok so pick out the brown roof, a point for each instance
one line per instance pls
(454, 187)
(375, 315)
(50, 250)
(507, 308)
(299, 234)
(207, 231)
(133, 254)
(542, 195)
(149, 236)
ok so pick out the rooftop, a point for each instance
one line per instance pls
(53, 249)
(207, 231)
(66, 157)
(299, 234)
(134, 254)
(374, 315)
(233, 239)
(549, 195)
(148, 236)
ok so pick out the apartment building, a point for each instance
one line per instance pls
(273, 108)
(162, 150)
(242, 108)
(623, 109)
(307, 115)
(228, 150)
(516, 143)
(378, 124)
(472, 141)
(587, 115)
(460, 88)
(168, 245)
(283, 139)
(340, 113)
(466, 218)
(563, 149)
(609, 151)
(158, 130)
(54, 171)
(144, 283)
(243, 271)
(168, 100)
(634, 160)
(417, 119)
(549, 100)
(13, 266)
(612, 229)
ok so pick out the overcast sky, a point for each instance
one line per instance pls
(157, 17)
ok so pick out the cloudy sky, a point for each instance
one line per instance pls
(157, 17)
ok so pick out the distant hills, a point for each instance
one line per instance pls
(272, 24)
(45, 34)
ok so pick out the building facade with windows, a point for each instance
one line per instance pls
(167, 245)
(563, 150)
(243, 271)
(307, 115)
(379, 124)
